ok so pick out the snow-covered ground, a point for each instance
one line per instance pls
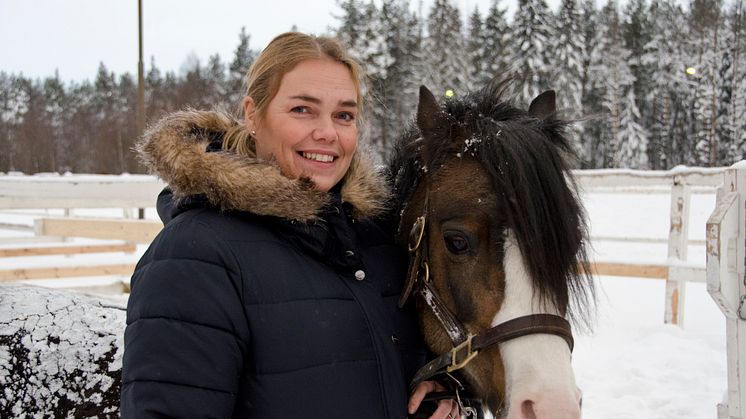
(631, 365)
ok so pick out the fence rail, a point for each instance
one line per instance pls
(137, 191)
(726, 272)
(680, 182)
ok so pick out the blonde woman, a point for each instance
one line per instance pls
(272, 290)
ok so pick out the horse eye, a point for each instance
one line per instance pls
(456, 243)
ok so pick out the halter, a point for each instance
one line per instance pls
(466, 346)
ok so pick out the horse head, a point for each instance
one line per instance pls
(488, 208)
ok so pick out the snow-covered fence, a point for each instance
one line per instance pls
(78, 191)
(680, 182)
(726, 273)
(24, 196)
(73, 192)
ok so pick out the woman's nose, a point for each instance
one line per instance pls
(325, 131)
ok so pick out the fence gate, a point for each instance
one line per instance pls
(725, 281)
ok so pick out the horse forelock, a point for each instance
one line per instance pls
(526, 159)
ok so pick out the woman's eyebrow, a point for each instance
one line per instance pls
(307, 98)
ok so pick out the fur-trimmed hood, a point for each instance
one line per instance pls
(176, 150)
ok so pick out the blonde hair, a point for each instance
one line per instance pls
(282, 54)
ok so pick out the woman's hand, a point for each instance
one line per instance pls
(447, 408)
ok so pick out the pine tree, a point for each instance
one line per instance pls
(243, 57)
(82, 128)
(216, 85)
(476, 51)
(445, 50)
(567, 59)
(591, 148)
(496, 43)
(397, 93)
(15, 101)
(530, 41)
(6, 124)
(614, 71)
(351, 21)
(636, 30)
(737, 149)
(105, 150)
(56, 113)
(631, 148)
(126, 117)
(705, 21)
(156, 96)
(668, 81)
(724, 132)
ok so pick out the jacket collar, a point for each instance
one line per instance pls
(179, 147)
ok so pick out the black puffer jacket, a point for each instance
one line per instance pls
(263, 298)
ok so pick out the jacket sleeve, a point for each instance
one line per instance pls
(186, 335)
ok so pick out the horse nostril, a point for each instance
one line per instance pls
(527, 410)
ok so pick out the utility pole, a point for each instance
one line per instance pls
(140, 76)
(140, 88)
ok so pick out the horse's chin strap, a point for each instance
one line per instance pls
(466, 346)
(463, 353)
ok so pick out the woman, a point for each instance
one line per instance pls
(271, 292)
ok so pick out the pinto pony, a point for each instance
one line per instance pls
(489, 212)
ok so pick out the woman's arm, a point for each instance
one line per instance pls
(186, 334)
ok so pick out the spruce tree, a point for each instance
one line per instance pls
(243, 57)
(530, 47)
(636, 30)
(567, 59)
(668, 80)
(56, 114)
(631, 147)
(591, 148)
(705, 21)
(737, 149)
(476, 50)
(445, 50)
(613, 69)
(496, 41)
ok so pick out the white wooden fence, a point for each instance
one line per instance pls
(680, 182)
(71, 193)
(137, 191)
(726, 234)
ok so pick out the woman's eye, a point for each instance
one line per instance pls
(456, 243)
(299, 109)
(346, 116)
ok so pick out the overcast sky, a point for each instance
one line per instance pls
(73, 36)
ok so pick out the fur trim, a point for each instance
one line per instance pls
(175, 149)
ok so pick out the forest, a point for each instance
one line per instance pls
(651, 84)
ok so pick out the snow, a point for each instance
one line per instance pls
(634, 366)
(630, 365)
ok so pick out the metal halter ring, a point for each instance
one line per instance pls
(418, 231)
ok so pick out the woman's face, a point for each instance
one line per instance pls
(309, 127)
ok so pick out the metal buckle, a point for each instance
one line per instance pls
(426, 267)
(457, 365)
(415, 236)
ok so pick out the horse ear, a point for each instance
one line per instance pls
(427, 110)
(543, 105)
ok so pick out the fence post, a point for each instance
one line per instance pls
(726, 234)
(678, 238)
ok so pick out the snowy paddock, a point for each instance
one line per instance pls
(630, 365)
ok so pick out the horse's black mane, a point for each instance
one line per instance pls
(527, 161)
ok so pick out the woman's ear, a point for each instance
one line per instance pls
(249, 112)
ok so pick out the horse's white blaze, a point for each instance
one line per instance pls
(539, 379)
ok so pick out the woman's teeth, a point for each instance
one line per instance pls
(319, 157)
